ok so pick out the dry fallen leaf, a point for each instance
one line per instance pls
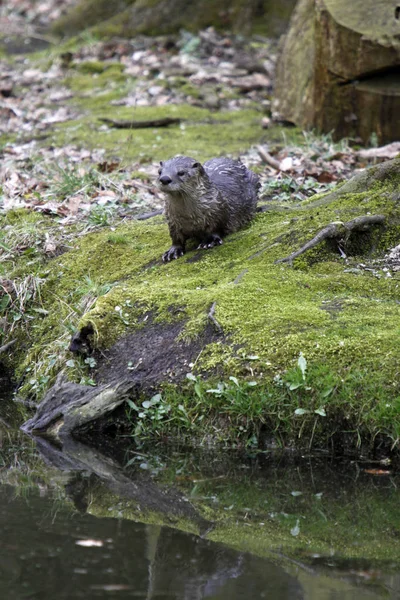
(377, 472)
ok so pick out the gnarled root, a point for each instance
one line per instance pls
(338, 230)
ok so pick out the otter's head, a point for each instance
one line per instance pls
(180, 175)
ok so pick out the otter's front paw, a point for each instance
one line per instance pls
(173, 253)
(210, 241)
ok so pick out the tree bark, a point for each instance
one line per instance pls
(339, 68)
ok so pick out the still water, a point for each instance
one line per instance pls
(47, 552)
(52, 547)
(79, 522)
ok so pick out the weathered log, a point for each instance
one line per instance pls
(68, 407)
(166, 122)
(339, 68)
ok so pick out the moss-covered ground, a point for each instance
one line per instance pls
(341, 320)
(311, 347)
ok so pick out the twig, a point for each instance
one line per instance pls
(166, 122)
(7, 346)
(267, 158)
(213, 319)
(337, 229)
(149, 215)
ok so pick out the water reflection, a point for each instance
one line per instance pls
(42, 557)
(79, 521)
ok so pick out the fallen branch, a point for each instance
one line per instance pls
(213, 319)
(337, 229)
(267, 158)
(166, 122)
(149, 215)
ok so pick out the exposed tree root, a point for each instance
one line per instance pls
(213, 319)
(268, 159)
(338, 230)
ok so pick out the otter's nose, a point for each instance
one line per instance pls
(165, 180)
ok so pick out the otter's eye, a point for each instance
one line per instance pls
(159, 171)
(181, 173)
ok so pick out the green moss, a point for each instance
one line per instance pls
(336, 314)
(96, 67)
(88, 79)
(338, 318)
(200, 135)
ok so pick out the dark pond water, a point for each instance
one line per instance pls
(79, 522)
(48, 551)
(42, 557)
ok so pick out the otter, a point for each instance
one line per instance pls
(206, 202)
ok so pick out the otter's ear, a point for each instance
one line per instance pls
(198, 166)
(161, 163)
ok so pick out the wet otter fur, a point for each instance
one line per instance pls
(206, 202)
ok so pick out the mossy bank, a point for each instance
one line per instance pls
(302, 353)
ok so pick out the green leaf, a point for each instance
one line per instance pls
(301, 411)
(294, 386)
(155, 399)
(191, 377)
(302, 364)
(197, 389)
(132, 404)
(70, 363)
(296, 529)
(327, 392)
(320, 411)
(235, 380)
(295, 494)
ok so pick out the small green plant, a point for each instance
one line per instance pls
(289, 188)
(67, 181)
(92, 287)
(149, 414)
(373, 140)
(323, 145)
(298, 379)
(102, 215)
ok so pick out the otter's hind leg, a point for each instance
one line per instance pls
(209, 241)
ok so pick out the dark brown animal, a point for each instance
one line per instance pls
(206, 202)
